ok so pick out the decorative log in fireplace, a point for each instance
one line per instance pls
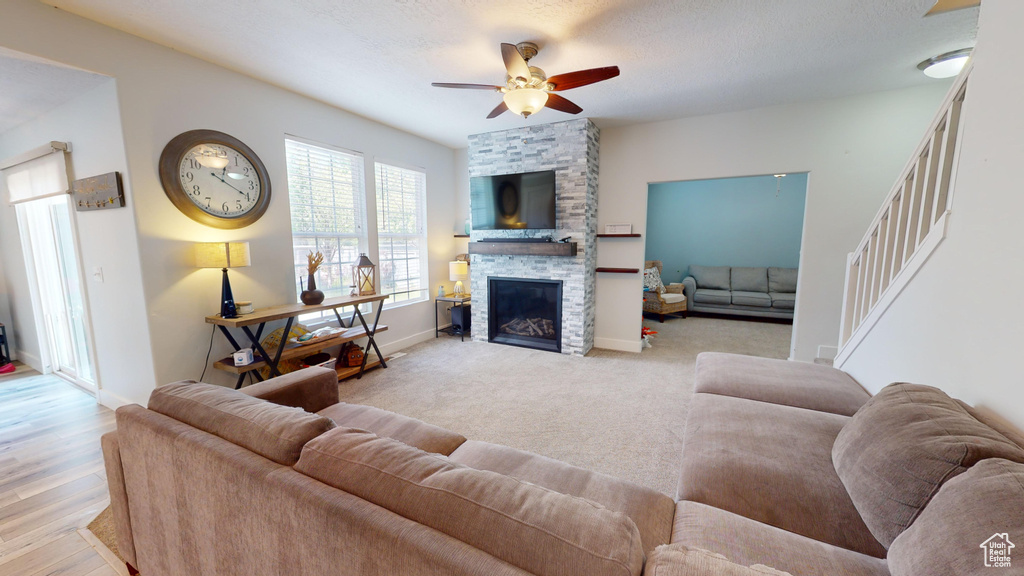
(540, 327)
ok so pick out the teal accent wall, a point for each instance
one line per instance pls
(725, 222)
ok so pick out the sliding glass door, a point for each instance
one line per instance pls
(52, 260)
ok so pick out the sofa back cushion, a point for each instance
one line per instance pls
(749, 279)
(270, 430)
(782, 280)
(538, 530)
(967, 526)
(902, 446)
(711, 277)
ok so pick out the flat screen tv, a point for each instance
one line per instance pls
(513, 201)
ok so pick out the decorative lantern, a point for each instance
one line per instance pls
(362, 273)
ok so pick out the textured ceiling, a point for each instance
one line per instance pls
(678, 57)
(33, 86)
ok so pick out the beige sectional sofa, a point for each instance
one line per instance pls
(787, 468)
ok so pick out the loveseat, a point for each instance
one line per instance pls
(787, 469)
(762, 292)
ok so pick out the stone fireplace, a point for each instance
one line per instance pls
(570, 149)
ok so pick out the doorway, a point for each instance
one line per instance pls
(732, 247)
(55, 279)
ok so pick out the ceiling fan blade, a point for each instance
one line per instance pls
(582, 77)
(562, 104)
(498, 111)
(514, 62)
(466, 86)
(950, 5)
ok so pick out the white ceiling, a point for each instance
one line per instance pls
(30, 86)
(678, 58)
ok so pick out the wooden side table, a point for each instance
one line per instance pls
(462, 302)
(5, 351)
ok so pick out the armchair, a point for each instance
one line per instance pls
(672, 301)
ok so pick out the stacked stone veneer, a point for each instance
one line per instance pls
(571, 150)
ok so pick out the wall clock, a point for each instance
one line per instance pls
(215, 179)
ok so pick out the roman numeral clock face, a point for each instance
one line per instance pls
(214, 179)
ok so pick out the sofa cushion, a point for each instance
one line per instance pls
(411, 431)
(679, 560)
(759, 299)
(270, 430)
(783, 300)
(800, 384)
(899, 449)
(749, 279)
(773, 464)
(969, 521)
(711, 277)
(651, 511)
(746, 541)
(539, 530)
(782, 280)
(671, 298)
(708, 296)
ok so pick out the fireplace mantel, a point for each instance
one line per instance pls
(523, 248)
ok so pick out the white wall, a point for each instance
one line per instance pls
(853, 149)
(163, 93)
(106, 239)
(958, 324)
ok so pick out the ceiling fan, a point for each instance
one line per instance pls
(528, 89)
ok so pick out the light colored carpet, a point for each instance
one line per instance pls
(618, 413)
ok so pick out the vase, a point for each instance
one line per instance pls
(312, 296)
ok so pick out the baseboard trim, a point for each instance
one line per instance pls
(402, 343)
(111, 400)
(620, 345)
(31, 360)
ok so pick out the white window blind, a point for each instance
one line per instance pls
(401, 233)
(40, 173)
(327, 195)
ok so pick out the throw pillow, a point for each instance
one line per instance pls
(967, 527)
(652, 280)
(901, 447)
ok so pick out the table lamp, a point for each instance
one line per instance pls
(457, 272)
(223, 255)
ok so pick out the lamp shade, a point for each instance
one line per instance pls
(222, 255)
(458, 271)
(525, 101)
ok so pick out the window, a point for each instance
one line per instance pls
(327, 195)
(401, 233)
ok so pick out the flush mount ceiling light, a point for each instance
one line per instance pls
(945, 65)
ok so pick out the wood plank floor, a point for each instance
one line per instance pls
(52, 482)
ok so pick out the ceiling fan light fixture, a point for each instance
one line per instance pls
(945, 65)
(525, 101)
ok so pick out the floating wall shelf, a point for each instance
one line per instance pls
(619, 270)
(462, 235)
(618, 235)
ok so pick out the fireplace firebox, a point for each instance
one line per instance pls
(525, 313)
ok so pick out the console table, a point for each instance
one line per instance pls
(273, 358)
